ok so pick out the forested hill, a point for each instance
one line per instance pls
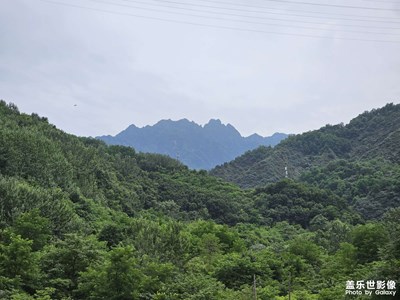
(70, 169)
(371, 135)
(198, 147)
(83, 220)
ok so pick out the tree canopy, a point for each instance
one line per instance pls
(83, 220)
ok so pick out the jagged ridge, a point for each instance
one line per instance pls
(199, 147)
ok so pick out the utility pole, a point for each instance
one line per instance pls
(254, 287)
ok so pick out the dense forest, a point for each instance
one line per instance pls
(83, 220)
(371, 135)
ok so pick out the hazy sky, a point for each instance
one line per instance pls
(258, 65)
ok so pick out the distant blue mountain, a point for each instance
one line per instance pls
(199, 147)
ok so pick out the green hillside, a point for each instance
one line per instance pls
(371, 135)
(83, 220)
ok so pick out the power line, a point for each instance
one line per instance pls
(235, 15)
(217, 26)
(244, 21)
(300, 10)
(381, 1)
(252, 11)
(333, 5)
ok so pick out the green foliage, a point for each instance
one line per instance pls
(341, 264)
(370, 187)
(18, 196)
(329, 234)
(82, 220)
(32, 226)
(307, 250)
(116, 278)
(18, 263)
(296, 203)
(371, 135)
(235, 270)
(64, 260)
(391, 223)
(193, 287)
(368, 239)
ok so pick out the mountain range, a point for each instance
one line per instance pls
(198, 147)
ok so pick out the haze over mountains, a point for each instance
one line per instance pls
(199, 147)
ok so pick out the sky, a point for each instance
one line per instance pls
(93, 67)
